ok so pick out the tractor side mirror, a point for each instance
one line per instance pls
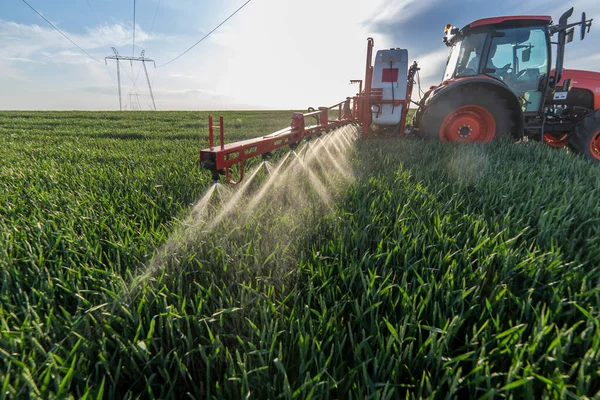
(527, 54)
(570, 34)
(585, 25)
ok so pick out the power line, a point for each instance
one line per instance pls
(93, 12)
(110, 74)
(130, 77)
(155, 14)
(205, 36)
(59, 31)
(138, 75)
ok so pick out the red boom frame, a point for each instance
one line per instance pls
(220, 159)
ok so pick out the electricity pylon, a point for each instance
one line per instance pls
(141, 59)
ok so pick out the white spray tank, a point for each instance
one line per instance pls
(390, 73)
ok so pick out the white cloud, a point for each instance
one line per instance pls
(284, 55)
(432, 63)
(21, 59)
(273, 54)
(397, 11)
(182, 76)
(26, 41)
(589, 62)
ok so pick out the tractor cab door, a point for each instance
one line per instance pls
(520, 58)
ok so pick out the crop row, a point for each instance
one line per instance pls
(406, 269)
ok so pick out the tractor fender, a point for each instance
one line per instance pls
(454, 86)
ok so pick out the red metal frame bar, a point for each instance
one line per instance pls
(222, 132)
(220, 160)
(211, 140)
(366, 96)
(359, 81)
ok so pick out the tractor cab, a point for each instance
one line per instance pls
(514, 51)
(499, 82)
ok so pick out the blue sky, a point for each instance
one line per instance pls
(272, 54)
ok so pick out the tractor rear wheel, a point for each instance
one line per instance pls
(473, 115)
(586, 138)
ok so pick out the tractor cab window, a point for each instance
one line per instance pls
(519, 57)
(465, 56)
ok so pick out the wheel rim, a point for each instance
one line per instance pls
(468, 124)
(595, 146)
(554, 141)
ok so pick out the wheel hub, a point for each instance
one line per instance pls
(465, 130)
(468, 124)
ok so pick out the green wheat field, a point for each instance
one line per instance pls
(350, 269)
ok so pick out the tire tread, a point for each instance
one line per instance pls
(583, 133)
(505, 123)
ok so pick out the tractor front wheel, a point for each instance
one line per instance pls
(473, 115)
(586, 138)
(556, 140)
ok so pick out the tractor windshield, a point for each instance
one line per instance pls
(464, 56)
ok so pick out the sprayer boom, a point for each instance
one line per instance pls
(383, 102)
(219, 159)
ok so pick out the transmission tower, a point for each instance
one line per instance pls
(141, 59)
(134, 101)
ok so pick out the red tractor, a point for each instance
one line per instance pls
(499, 82)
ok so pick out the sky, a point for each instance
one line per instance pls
(273, 54)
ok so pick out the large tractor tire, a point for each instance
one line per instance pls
(586, 138)
(469, 115)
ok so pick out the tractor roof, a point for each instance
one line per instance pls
(518, 20)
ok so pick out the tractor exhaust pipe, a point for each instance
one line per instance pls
(562, 42)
